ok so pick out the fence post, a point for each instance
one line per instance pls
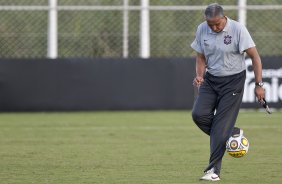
(125, 29)
(242, 12)
(145, 30)
(52, 52)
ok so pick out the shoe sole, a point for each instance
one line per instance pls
(212, 179)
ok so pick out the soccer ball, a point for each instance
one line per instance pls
(237, 146)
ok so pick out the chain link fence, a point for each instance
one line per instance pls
(99, 32)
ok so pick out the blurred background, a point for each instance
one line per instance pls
(73, 32)
(100, 28)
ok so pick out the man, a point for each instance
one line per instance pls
(220, 44)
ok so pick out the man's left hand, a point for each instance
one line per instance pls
(260, 93)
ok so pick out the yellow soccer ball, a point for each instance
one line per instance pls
(237, 146)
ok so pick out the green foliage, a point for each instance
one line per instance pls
(88, 34)
(25, 36)
(100, 33)
(140, 147)
(24, 3)
(191, 2)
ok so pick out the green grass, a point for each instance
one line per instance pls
(130, 147)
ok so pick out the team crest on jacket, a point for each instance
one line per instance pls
(227, 39)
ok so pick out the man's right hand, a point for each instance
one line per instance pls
(197, 82)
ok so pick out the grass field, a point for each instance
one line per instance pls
(130, 147)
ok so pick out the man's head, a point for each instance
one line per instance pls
(215, 17)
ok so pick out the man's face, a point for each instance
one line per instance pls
(216, 24)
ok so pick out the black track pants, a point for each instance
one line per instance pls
(215, 112)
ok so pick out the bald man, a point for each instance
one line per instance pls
(221, 44)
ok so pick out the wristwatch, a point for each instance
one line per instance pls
(260, 84)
